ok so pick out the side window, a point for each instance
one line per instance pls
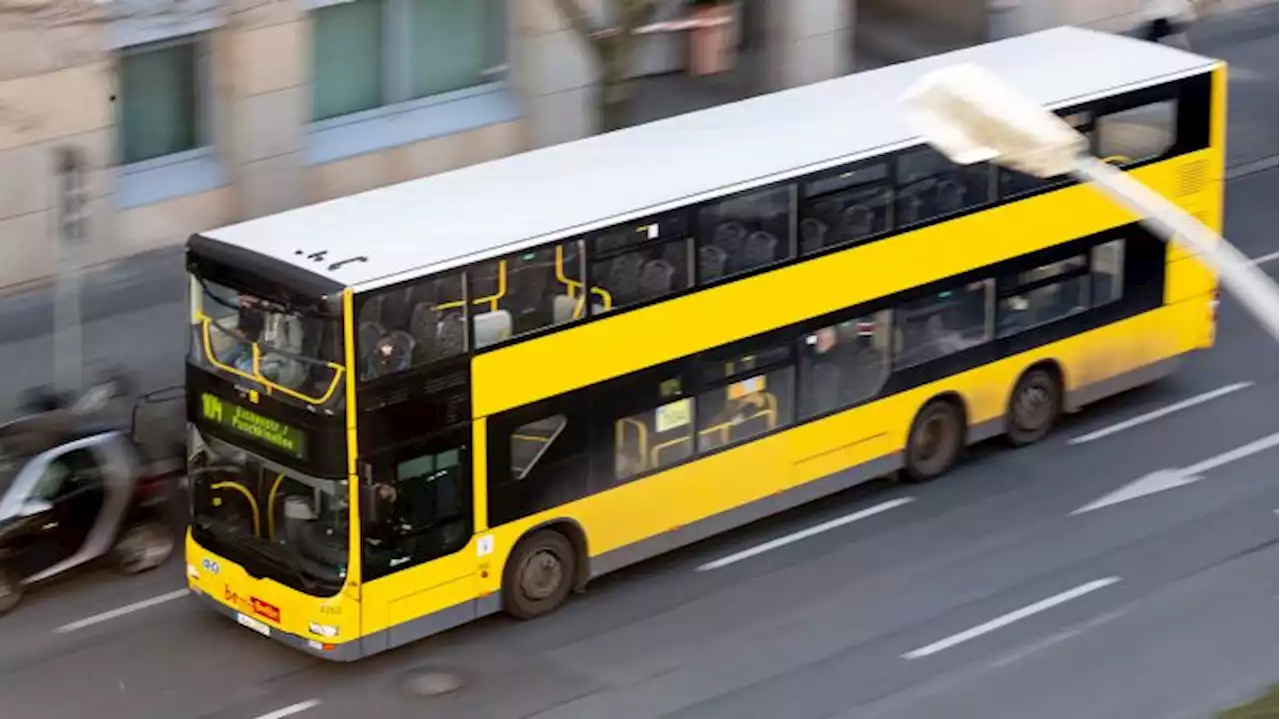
(537, 464)
(846, 208)
(1044, 294)
(531, 441)
(1014, 183)
(744, 232)
(67, 473)
(417, 508)
(656, 438)
(844, 364)
(639, 262)
(931, 186)
(941, 324)
(1140, 133)
(1108, 272)
(527, 292)
(410, 326)
(746, 394)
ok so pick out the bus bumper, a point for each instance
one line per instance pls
(344, 652)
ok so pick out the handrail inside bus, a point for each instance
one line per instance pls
(571, 286)
(492, 299)
(256, 374)
(608, 298)
(665, 445)
(643, 434)
(253, 503)
(769, 412)
(271, 507)
(542, 450)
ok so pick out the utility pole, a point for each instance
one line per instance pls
(72, 226)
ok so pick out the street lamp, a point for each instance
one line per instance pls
(971, 116)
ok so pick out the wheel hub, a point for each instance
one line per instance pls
(1032, 404)
(542, 574)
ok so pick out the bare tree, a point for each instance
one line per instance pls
(612, 45)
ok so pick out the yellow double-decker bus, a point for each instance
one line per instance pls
(477, 391)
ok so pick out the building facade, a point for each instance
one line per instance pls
(199, 113)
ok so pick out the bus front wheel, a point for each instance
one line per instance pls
(539, 575)
(936, 438)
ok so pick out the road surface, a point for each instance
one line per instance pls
(989, 594)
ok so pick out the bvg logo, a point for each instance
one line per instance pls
(234, 599)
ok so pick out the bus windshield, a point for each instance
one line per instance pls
(288, 526)
(294, 355)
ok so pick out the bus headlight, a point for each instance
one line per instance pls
(323, 630)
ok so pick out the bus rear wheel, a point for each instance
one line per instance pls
(539, 575)
(935, 441)
(1034, 407)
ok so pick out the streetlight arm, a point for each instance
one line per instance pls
(1255, 290)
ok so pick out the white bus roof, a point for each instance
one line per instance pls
(505, 205)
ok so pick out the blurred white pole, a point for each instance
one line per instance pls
(971, 116)
(68, 352)
(1255, 290)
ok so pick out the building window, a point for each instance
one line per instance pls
(370, 53)
(160, 99)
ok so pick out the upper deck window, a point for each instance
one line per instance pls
(291, 353)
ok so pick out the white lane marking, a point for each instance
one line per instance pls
(291, 709)
(1005, 620)
(120, 611)
(1158, 413)
(1162, 479)
(804, 534)
(1263, 259)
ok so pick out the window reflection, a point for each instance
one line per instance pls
(844, 364)
(936, 326)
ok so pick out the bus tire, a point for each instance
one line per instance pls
(935, 441)
(539, 575)
(1034, 406)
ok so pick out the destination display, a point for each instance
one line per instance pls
(248, 423)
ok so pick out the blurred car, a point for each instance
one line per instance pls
(75, 489)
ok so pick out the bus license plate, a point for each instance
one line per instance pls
(253, 624)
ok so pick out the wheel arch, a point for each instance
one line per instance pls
(1054, 367)
(953, 398)
(572, 530)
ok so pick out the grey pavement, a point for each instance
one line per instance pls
(812, 630)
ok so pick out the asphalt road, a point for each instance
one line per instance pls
(986, 595)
